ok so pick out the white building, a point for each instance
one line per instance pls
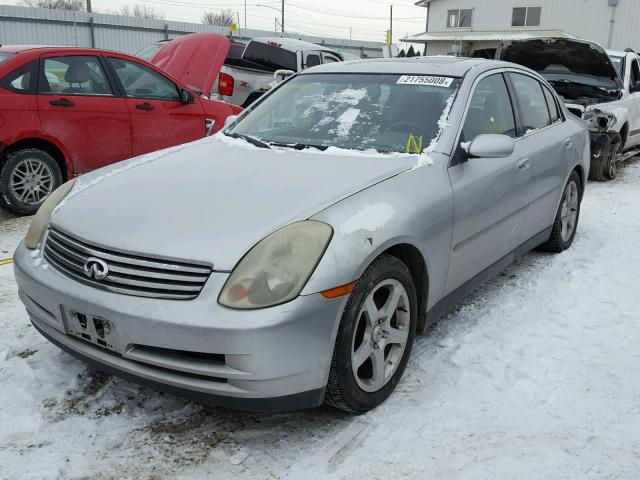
(466, 26)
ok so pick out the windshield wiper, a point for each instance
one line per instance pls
(300, 146)
(253, 141)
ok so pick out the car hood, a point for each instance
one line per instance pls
(194, 59)
(212, 200)
(560, 54)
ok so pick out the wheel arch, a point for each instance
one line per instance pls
(46, 146)
(411, 256)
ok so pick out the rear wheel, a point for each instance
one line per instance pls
(375, 337)
(567, 216)
(27, 178)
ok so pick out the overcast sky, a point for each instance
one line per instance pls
(369, 19)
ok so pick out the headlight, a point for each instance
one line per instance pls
(278, 267)
(41, 218)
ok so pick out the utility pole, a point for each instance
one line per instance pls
(391, 26)
(245, 14)
(89, 6)
(282, 23)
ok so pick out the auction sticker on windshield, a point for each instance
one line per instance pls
(425, 80)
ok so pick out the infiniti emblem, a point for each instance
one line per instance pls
(96, 268)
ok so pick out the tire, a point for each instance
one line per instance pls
(560, 239)
(19, 190)
(606, 161)
(359, 390)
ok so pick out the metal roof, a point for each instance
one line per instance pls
(475, 36)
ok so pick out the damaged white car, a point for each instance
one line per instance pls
(593, 88)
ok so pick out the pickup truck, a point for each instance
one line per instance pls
(601, 89)
(245, 77)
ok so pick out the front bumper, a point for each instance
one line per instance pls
(270, 359)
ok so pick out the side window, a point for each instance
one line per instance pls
(139, 81)
(312, 60)
(328, 58)
(533, 104)
(490, 110)
(22, 79)
(74, 75)
(552, 104)
(635, 73)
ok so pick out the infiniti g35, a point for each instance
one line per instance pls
(290, 259)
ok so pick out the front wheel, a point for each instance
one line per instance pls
(27, 178)
(375, 337)
(606, 158)
(566, 221)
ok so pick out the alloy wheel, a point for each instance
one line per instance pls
(569, 212)
(616, 161)
(31, 181)
(380, 335)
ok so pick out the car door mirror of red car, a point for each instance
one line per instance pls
(186, 96)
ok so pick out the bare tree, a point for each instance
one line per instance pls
(56, 4)
(223, 18)
(141, 11)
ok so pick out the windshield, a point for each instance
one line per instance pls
(388, 113)
(618, 62)
(4, 56)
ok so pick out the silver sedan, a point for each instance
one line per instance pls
(291, 259)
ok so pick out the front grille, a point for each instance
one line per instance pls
(128, 274)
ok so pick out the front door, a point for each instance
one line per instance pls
(77, 106)
(550, 147)
(633, 104)
(159, 119)
(490, 195)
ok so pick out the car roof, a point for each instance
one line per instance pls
(47, 49)
(440, 65)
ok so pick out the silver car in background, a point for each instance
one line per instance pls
(290, 260)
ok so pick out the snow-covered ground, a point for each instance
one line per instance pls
(536, 375)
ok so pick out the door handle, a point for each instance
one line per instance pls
(145, 106)
(568, 143)
(63, 102)
(523, 164)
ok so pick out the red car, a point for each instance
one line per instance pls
(65, 111)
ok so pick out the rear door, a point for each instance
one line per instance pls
(490, 195)
(547, 145)
(159, 118)
(78, 106)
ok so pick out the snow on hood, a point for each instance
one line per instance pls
(194, 59)
(212, 200)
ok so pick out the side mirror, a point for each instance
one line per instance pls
(186, 96)
(282, 74)
(229, 120)
(635, 87)
(490, 146)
